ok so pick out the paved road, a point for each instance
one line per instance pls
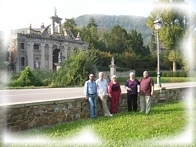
(47, 94)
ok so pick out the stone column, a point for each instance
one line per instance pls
(52, 26)
(42, 47)
(112, 68)
(59, 28)
(50, 58)
(30, 55)
(17, 59)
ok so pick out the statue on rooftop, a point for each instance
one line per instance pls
(42, 26)
(30, 26)
(55, 11)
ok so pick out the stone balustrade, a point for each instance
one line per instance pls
(45, 114)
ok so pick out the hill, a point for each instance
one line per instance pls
(107, 22)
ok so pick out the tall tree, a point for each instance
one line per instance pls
(91, 35)
(116, 40)
(175, 23)
(135, 43)
(71, 24)
(92, 23)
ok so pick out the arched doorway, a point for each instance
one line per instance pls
(55, 57)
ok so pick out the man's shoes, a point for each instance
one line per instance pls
(94, 117)
(108, 115)
(147, 113)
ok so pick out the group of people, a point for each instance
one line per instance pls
(100, 88)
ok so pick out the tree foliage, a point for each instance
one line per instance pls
(71, 24)
(107, 22)
(175, 24)
(27, 78)
(76, 69)
(92, 23)
(90, 34)
(135, 43)
(116, 40)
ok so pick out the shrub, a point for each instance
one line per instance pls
(183, 74)
(169, 73)
(14, 76)
(152, 73)
(75, 70)
(139, 72)
(103, 68)
(176, 74)
(27, 78)
(45, 76)
(164, 74)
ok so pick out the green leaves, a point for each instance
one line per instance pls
(174, 28)
(27, 78)
(76, 69)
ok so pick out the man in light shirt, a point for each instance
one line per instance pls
(102, 92)
(90, 92)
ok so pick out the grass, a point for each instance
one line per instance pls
(121, 80)
(123, 129)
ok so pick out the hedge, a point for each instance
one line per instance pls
(163, 73)
(174, 74)
(107, 68)
(139, 72)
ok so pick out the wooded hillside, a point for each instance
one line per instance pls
(107, 22)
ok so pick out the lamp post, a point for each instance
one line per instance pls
(157, 26)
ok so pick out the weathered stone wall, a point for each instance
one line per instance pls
(42, 114)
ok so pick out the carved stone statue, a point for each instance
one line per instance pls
(60, 57)
(55, 11)
(42, 26)
(112, 61)
(36, 63)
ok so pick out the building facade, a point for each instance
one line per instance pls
(44, 48)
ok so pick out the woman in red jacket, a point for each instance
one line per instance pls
(114, 92)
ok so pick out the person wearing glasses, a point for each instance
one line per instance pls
(90, 92)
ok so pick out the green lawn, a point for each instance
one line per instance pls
(121, 80)
(123, 129)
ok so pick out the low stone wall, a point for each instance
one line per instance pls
(42, 114)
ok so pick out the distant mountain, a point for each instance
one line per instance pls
(107, 22)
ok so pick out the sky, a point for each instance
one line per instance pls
(16, 14)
